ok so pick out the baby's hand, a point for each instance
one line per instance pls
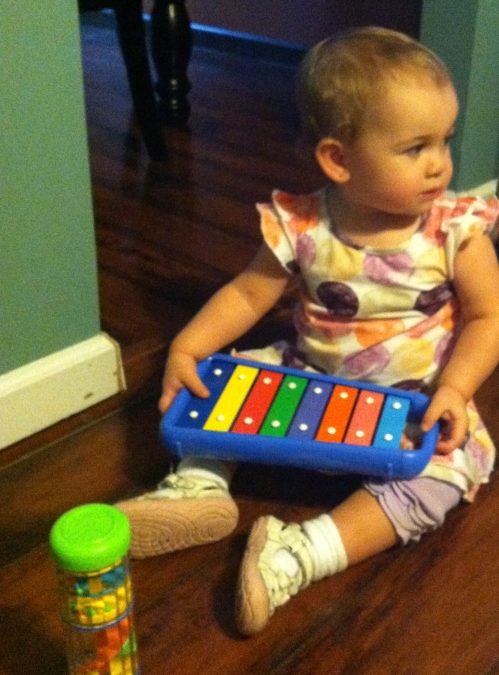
(448, 406)
(180, 371)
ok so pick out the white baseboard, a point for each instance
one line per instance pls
(41, 393)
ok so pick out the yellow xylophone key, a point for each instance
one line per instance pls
(231, 399)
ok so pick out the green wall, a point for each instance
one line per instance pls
(48, 291)
(464, 34)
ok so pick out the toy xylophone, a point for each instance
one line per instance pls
(274, 414)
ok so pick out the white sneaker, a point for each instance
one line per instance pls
(277, 564)
(176, 486)
(184, 511)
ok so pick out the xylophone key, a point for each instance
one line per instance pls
(252, 414)
(364, 418)
(231, 399)
(392, 422)
(337, 414)
(309, 413)
(283, 408)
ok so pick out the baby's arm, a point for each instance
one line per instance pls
(230, 313)
(476, 353)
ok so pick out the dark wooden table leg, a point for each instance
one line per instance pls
(133, 46)
(171, 49)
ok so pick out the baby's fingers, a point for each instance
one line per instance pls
(452, 434)
(431, 416)
(196, 386)
(165, 401)
(170, 390)
(448, 406)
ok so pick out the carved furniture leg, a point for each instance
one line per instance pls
(171, 49)
(131, 34)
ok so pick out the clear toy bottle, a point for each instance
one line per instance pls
(90, 545)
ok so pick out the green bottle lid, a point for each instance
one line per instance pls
(90, 537)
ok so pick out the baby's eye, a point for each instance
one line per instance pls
(414, 150)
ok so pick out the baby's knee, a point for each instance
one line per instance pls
(415, 506)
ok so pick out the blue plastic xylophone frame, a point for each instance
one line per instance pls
(181, 434)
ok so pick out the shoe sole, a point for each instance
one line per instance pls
(164, 525)
(252, 600)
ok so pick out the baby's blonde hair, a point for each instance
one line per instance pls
(342, 76)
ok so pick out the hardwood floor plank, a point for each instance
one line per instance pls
(100, 463)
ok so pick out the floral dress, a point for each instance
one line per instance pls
(385, 316)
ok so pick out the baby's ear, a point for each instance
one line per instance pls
(330, 156)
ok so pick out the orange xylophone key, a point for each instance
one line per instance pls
(337, 414)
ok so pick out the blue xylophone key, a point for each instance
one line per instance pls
(309, 412)
(196, 410)
(392, 422)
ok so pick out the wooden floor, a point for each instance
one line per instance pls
(167, 236)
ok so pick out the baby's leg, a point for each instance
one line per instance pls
(364, 527)
(190, 507)
(281, 559)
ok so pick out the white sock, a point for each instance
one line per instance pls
(211, 469)
(327, 547)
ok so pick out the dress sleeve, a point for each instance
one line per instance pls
(470, 216)
(285, 222)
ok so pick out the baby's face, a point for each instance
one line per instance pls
(400, 161)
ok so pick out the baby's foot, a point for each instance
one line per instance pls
(183, 511)
(277, 564)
